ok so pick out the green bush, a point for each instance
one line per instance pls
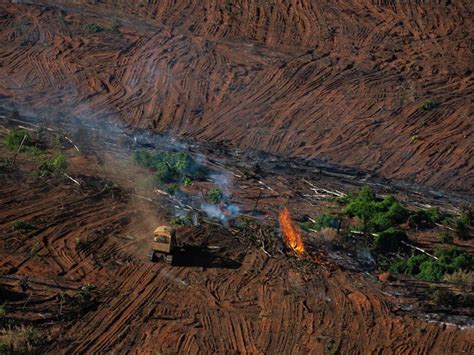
(56, 164)
(322, 221)
(215, 195)
(390, 239)
(428, 105)
(425, 218)
(21, 225)
(445, 237)
(461, 225)
(169, 167)
(424, 267)
(93, 28)
(13, 139)
(376, 215)
(180, 221)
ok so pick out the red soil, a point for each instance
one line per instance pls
(328, 80)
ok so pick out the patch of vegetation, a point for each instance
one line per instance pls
(424, 267)
(428, 105)
(58, 163)
(425, 218)
(390, 239)
(13, 139)
(180, 221)
(415, 138)
(376, 215)
(215, 195)
(462, 226)
(445, 237)
(187, 181)
(91, 28)
(322, 221)
(21, 225)
(169, 167)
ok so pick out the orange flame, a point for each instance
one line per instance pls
(291, 232)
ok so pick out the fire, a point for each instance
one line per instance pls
(291, 232)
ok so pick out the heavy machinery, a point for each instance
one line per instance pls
(163, 244)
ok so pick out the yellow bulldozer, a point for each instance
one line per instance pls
(163, 244)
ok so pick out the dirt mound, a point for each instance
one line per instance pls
(383, 86)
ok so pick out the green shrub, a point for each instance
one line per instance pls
(445, 237)
(390, 239)
(169, 167)
(21, 225)
(165, 173)
(180, 221)
(428, 105)
(461, 225)
(93, 28)
(424, 267)
(187, 181)
(322, 221)
(215, 195)
(376, 215)
(425, 218)
(13, 139)
(56, 164)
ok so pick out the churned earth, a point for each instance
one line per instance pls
(384, 86)
(381, 87)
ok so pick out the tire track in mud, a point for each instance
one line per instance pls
(296, 78)
(265, 305)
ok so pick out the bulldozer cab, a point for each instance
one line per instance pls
(164, 239)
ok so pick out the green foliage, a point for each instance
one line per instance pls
(187, 181)
(21, 225)
(429, 105)
(56, 164)
(445, 237)
(424, 267)
(322, 221)
(376, 215)
(461, 225)
(180, 221)
(13, 139)
(91, 28)
(425, 219)
(215, 195)
(390, 239)
(169, 167)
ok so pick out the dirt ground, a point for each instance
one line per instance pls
(336, 81)
(90, 287)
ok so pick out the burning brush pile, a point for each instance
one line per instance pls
(294, 242)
